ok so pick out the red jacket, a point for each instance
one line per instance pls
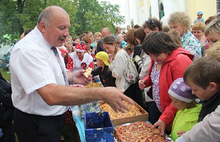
(173, 68)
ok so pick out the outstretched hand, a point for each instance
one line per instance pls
(79, 77)
(141, 84)
(161, 126)
(114, 98)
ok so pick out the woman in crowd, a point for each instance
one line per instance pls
(168, 63)
(117, 61)
(198, 31)
(89, 48)
(121, 38)
(136, 47)
(152, 24)
(181, 22)
(144, 64)
(79, 59)
(212, 31)
(69, 44)
(98, 36)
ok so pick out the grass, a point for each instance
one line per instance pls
(68, 130)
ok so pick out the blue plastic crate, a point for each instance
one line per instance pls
(98, 127)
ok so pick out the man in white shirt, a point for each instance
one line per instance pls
(38, 81)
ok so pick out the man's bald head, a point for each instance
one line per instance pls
(47, 15)
(105, 32)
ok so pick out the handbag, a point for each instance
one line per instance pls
(131, 74)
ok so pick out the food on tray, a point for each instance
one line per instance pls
(88, 72)
(138, 131)
(93, 84)
(134, 110)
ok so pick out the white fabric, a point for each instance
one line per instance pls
(33, 66)
(207, 130)
(178, 97)
(77, 63)
(144, 72)
(118, 68)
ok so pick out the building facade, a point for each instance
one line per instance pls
(139, 11)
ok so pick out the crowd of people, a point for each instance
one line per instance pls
(175, 66)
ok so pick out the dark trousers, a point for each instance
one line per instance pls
(8, 133)
(154, 113)
(134, 92)
(35, 128)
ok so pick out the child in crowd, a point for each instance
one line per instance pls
(188, 111)
(102, 70)
(203, 76)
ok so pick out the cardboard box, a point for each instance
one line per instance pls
(142, 117)
(98, 127)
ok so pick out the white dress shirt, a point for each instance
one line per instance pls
(33, 65)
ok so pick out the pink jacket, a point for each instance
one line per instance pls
(173, 68)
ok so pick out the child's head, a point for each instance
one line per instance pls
(199, 14)
(101, 59)
(128, 49)
(175, 36)
(203, 76)
(214, 51)
(180, 94)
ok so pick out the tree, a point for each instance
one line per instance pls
(93, 16)
(18, 15)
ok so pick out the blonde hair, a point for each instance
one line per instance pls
(213, 26)
(69, 37)
(98, 34)
(175, 36)
(214, 51)
(199, 26)
(181, 18)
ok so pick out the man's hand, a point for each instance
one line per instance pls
(161, 126)
(114, 98)
(79, 77)
(141, 84)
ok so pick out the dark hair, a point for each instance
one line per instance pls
(27, 31)
(136, 26)
(108, 40)
(152, 23)
(87, 39)
(130, 38)
(157, 43)
(207, 21)
(202, 71)
(140, 34)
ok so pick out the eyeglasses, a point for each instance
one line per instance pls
(150, 21)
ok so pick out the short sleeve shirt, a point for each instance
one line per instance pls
(33, 65)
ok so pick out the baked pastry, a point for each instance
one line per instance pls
(139, 131)
(88, 72)
(93, 84)
(134, 110)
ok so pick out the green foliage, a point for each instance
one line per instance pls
(85, 15)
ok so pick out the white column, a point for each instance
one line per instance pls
(182, 5)
(154, 8)
(146, 10)
(127, 12)
(170, 6)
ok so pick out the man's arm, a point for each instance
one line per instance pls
(64, 95)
